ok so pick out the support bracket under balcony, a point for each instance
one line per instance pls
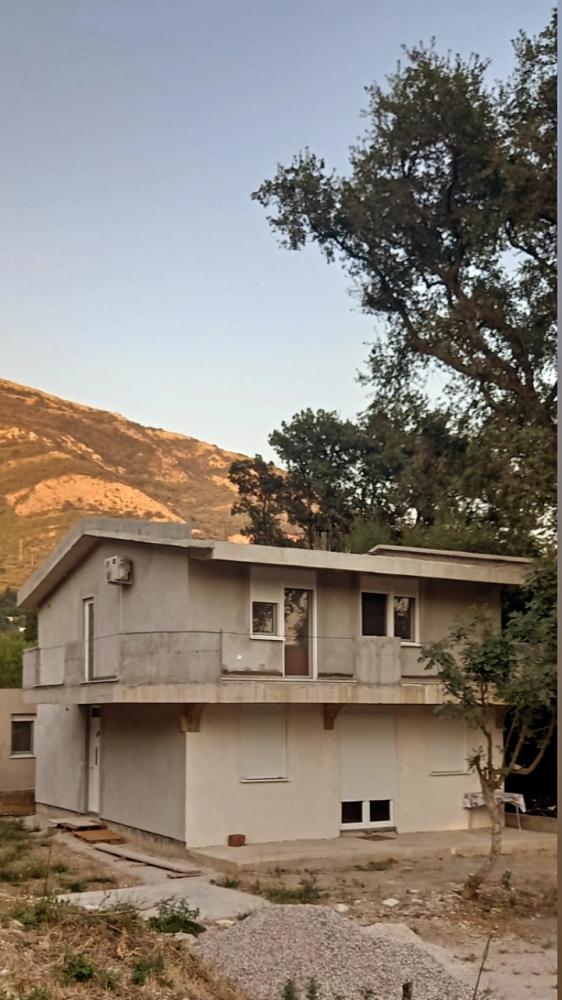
(190, 718)
(330, 715)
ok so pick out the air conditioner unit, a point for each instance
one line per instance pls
(118, 570)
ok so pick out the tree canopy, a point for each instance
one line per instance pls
(446, 222)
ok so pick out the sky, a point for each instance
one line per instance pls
(136, 274)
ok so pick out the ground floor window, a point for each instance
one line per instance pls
(22, 735)
(366, 812)
(263, 737)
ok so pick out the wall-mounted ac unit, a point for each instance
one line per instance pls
(118, 570)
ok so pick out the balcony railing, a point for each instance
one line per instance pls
(172, 657)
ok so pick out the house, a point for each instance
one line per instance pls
(17, 754)
(192, 689)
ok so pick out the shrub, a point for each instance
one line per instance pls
(77, 968)
(307, 892)
(175, 916)
(45, 911)
(145, 968)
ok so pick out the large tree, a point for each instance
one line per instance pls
(446, 222)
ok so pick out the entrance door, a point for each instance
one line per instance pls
(94, 740)
(367, 748)
(298, 632)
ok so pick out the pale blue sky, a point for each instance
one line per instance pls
(135, 273)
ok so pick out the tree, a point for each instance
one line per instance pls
(261, 489)
(11, 653)
(446, 222)
(481, 668)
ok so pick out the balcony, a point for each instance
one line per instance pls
(175, 661)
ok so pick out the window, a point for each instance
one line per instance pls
(262, 743)
(22, 735)
(376, 812)
(264, 618)
(89, 638)
(373, 614)
(404, 623)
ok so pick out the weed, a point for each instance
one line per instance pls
(145, 968)
(45, 911)
(36, 871)
(77, 886)
(101, 880)
(175, 915)
(227, 882)
(10, 875)
(242, 916)
(77, 968)
(37, 993)
(307, 892)
(312, 991)
(507, 879)
(59, 867)
(290, 990)
(13, 830)
(107, 978)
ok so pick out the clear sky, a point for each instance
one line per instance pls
(136, 274)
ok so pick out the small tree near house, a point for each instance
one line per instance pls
(481, 668)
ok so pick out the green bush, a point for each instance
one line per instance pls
(77, 968)
(175, 916)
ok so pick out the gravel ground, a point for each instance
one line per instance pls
(280, 943)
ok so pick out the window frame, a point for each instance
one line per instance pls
(269, 588)
(89, 640)
(366, 823)
(275, 636)
(391, 591)
(22, 754)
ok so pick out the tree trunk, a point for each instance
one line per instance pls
(476, 879)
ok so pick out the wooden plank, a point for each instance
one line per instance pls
(77, 823)
(129, 854)
(93, 836)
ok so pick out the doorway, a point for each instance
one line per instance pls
(367, 751)
(298, 632)
(94, 750)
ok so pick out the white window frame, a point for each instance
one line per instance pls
(391, 590)
(89, 663)
(266, 636)
(19, 754)
(268, 584)
(366, 824)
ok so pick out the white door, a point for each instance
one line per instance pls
(94, 740)
(367, 749)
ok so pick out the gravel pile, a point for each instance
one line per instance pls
(279, 943)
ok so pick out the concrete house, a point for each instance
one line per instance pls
(192, 689)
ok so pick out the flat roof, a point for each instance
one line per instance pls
(387, 560)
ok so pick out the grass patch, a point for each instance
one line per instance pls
(175, 916)
(145, 968)
(33, 915)
(226, 882)
(376, 866)
(306, 892)
(77, 968)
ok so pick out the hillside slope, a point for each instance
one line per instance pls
(60, 461)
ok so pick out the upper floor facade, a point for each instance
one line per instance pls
(136, 611)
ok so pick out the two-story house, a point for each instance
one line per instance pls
(192, 689)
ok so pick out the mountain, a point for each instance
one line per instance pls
(60, 461)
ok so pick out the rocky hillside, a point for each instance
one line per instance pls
(60, 461)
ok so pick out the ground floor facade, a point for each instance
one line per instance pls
(269, 772)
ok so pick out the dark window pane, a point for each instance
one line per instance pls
(22, 736)
(373, 609)
(404, 618)
(352, 812)
(379, 811)
(264, 618)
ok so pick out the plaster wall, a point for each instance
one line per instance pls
(305, 805)
(142, 760)
(60, 736)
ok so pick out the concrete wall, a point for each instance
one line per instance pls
(17, 774)
(142, 781)
(306, 805)
(61, 756)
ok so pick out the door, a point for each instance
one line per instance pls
(94, 741)
(367, 750)
(298, 632)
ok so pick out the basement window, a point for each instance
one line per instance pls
(22, 736)
(365, 813)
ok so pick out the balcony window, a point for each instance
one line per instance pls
(373, 614)
(404, 618)
(264, 618)
(88, 606)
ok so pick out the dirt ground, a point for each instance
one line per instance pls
(517, 909)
